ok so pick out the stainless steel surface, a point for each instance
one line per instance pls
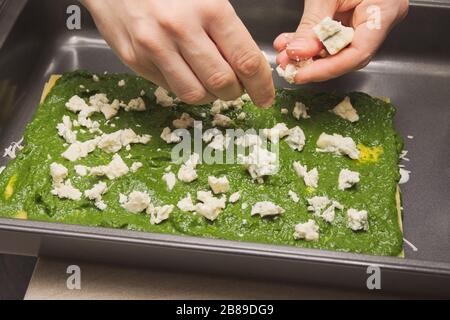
(412, 68)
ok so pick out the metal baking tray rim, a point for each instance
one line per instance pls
(223, 246)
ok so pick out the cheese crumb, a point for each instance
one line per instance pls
(296, 139)
(11, 151)
(357, 220)
(184, 122)
(159, 214)
(294, 196)
(347, 179)
(266, 208)
(186, 204)
(308, 231)
(96, 194)
(209, 207)
(219, 185)
(259, 163)
(279, 131)
(136, 202)
(80, 150)
(346, 111)
(284, 111)
(222, 121)
(115, 169)
(169, 137)
(137, 104)
(63, 189)
(300, 111)
(121, 83)
(338, 144)
(235, 197)
(65, 130)
(80, 170)
(136, 166)
(170, 179)
(311, 178)
(288, 73)
(187, 172)
(163, 98)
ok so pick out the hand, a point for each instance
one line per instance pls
(200, 50)
(360, 15)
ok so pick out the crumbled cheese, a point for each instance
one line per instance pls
(96, 194)
(113, 142)
(219, 185)
(169, 137)
(184, 122)
(308, 231)
(249, 140)
(65, 130)
(142, 93)
(209, 206)
(115, 169)
(338, 144)
(404, 176)
(329, 214)
(221, 105)
(260, 163)
(159, 214)
(121, 83)
(333, 35)
(219, 142)
(2, 168)
(63, 189)
(318, 204)
(80, 150)
(222, 121)
(235, 197)
(11, 151)
(266, 208)
(288, 73)
(294, 196)
(347, 179)
(187, 172)
(186, 204)
(244, 205)
(311, 178)
(136, 166)
(296, 139)
(58, 173)
(242, 116)
(300, 111)
(95, 78)
(170, 179)
(80, 170)
(76, 104)
(279, 131)
(137, 104)
(346, 111)
(357, 220)
(136, 202)
(209, 134)
(163, 98)
(284, 111)
(110, 110)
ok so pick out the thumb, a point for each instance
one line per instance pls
(305, 43)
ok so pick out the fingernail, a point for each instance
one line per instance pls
(266, 103)
(298, 43)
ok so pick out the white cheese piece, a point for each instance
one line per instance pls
(300, 111)
(288, 73)
(186, 204)
(296, 139)
(136, 166)
(241, 116)
(308, 231)
(65, 130)
(219, 185)
(333, 35)
(235, 197)
(169, 137)
(58, 173)
(294, 196)
(81, 170)
(184, 122)
(338, 144)
(137, 104)
(346, 111)
(209, 134)
(244, 205)
(218, 142)
(279, 131)
(110, 110)
(210, 207)
(266, 208)
(284, 111)
(246, 97)
(76, 104)
(187, 172)
(95, 78)
(11, 151)
(159, 214)
(347, 179)
(260, 163)
(221, 105)
(249, 140)
(115, 169)
(2, 168)
(222, 121)
(317, 204)
(357, 220)
(67, 191)
(80, 150)
(96, 194)
(113, 142)
(170, 179)
(311, 178)
(329, 214)
(163, 98)
(404, 176)
(121, 83)
(137, 202)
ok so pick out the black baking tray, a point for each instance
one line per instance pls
(412, 68)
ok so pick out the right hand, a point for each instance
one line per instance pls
(199, 50)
